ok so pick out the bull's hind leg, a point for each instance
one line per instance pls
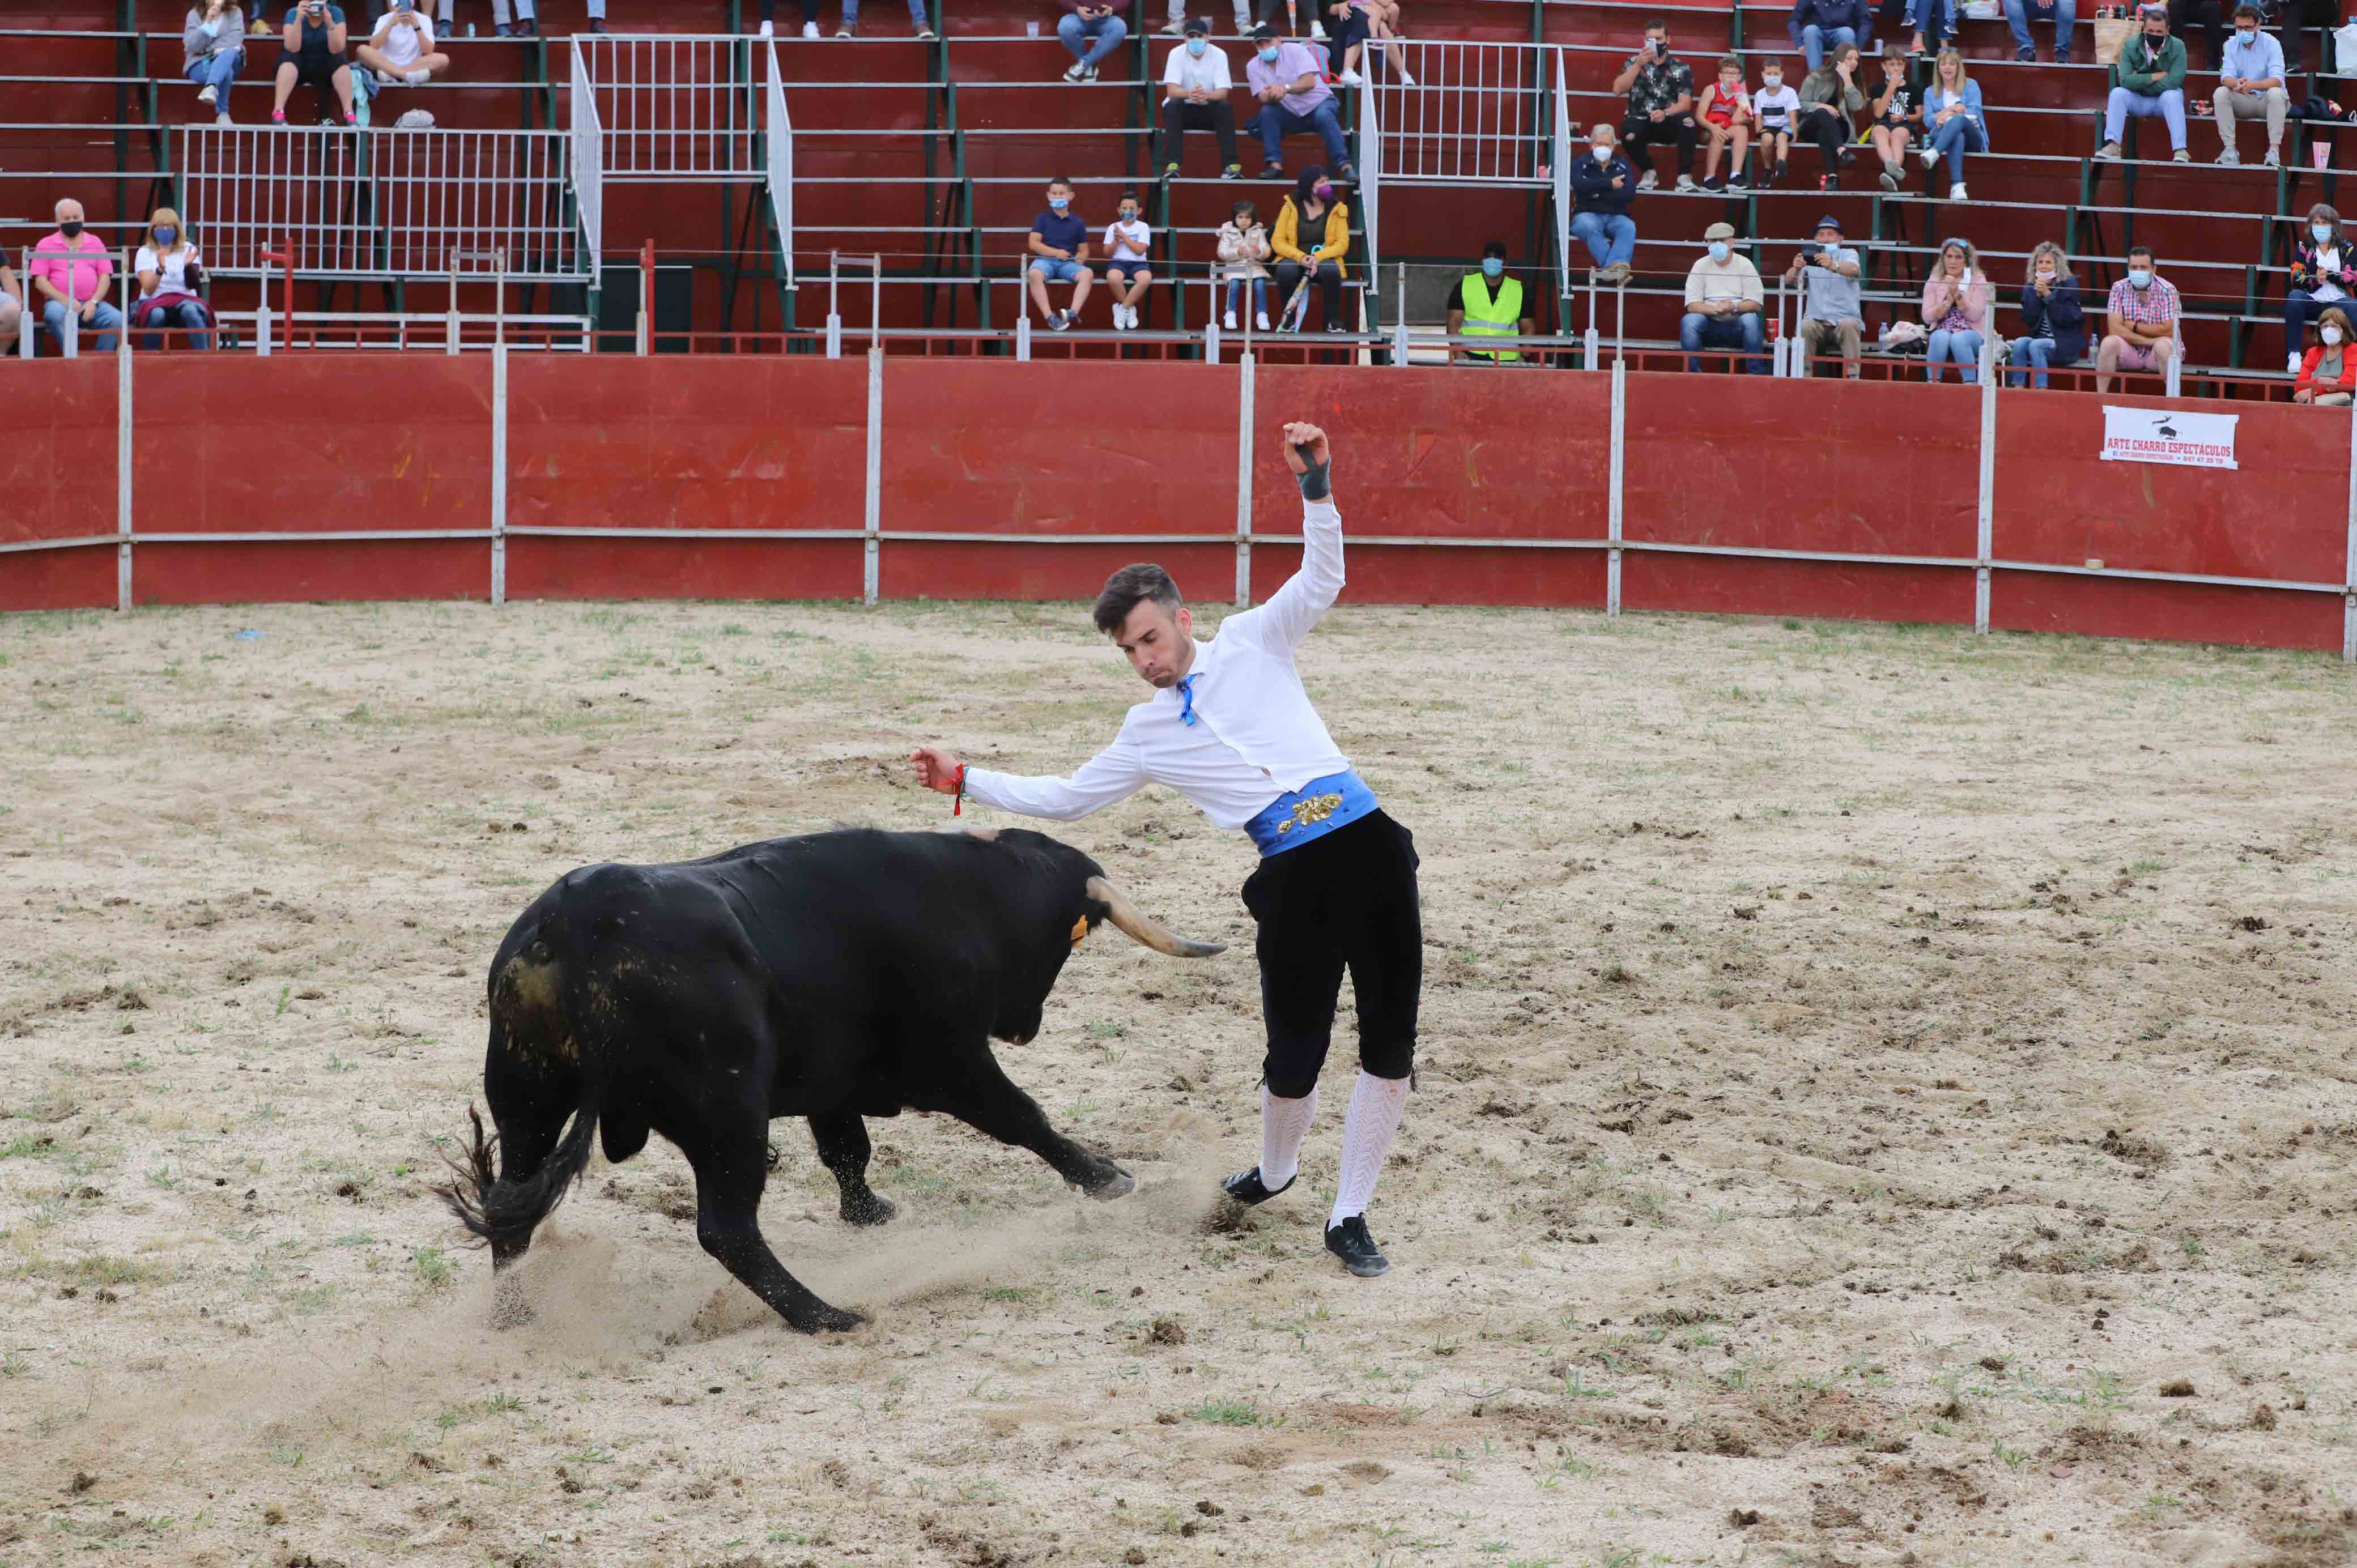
(843, 1148)
(986, 1099)
(731, 1164)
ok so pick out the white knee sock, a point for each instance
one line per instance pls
(1367, 1130)
(1283, 1124)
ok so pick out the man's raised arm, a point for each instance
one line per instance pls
(1309, 593)
(1113, 774)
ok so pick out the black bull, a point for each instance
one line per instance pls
(832, 976)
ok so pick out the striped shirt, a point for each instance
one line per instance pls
(2152, 306)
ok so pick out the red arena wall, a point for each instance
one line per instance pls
(725, 477)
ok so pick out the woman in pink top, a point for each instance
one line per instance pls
(1955, 308)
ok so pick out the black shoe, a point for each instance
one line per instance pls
(1350, 1242)
(1246, 1187)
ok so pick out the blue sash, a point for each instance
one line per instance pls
(1315, 810)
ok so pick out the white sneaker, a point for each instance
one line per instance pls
(2291, 367)
(418, 78)
(1399, 70)
(1175, 28)
(1931, 158)
(1317, 32)
(1076, 71)
(1956, 191)
(386, 79)
(809, 29)
(2275, 158)
(205, 95)
(1687, 183)
(2230, 158)
(768, 30)
(1228, 322)
(1350, 78)
(223, 120)
(1647, 180)
(1260, 320)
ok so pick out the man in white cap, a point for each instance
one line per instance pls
(1230, 727)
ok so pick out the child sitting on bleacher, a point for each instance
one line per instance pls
(1725, 117)
(1774, 107)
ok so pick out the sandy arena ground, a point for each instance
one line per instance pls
(1887, 1098)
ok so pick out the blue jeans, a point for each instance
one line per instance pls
(218, 71)
(2034, 353)
(97, 334)
(2065, 14)
(1276, 122)
(1956, 138)
(1935, 19)
(190, 315)
(1963, 346)
(2169, 106)
(1814, 40)
(1108, 32)
(1700, 331)
(1260, 293)
(1611, 237)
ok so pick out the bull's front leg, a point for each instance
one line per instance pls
(843, 1148)
(986, 1100)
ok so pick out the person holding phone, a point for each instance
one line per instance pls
(1828, 277)
(1661, 91)
(401, 52)
(312, 45)
(212, 50)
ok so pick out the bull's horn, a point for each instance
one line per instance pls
(1140, 927)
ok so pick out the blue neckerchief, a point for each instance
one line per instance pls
(1312, 812)
(1186, 699)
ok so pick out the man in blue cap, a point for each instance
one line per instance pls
(1828, 275)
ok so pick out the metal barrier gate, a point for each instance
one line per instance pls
(668, 107)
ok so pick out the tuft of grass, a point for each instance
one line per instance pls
(1230, 1413)
(432, 1265)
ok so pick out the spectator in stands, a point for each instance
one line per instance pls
(213, 51)
(2324, 272)
(2064, 13)
(2057, 329)
(2250, 81)
(2147, 79)
(1726, 116)
(1060, 253)
(312, 50)
(1127, 241)
(1602, 185)
(12, 306)
(1775, 108)
(1488, 303)
(401, 52)
(69, 271)
(1289, 82)
(2210, 15)
(1345, 39)
(1897, 118)
(2141, 319)
(847, 28)
(1724, 301)
(1243, 247)
(1934, 23)
(1661, 106)
(1816, 25)
(1090, 29)
(1312, 209)
(1956, 310)
(2328, 375)
(1829, 97)
(1176, 26)
(1195, 97)
(1952, 120)
(1828, 275)
(169, 275)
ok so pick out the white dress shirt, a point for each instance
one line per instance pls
(1254, 736)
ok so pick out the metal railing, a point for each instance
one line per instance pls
(1559, 171)
(1461, 113)
(588, 163)
(670, 107)
(1370, 172)
(778, 150)
(376, 202)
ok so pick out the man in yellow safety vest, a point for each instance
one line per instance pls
(1488, 303)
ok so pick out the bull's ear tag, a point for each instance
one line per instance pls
(1080, 929)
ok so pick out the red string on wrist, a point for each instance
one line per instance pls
(957, 806)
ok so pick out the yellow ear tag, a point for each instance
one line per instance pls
(1080, 929)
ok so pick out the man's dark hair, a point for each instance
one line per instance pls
(1495, 248)
(1059, 179)
(1128, 589)
(2135, 251)
(2247, 9)
(1660, 22)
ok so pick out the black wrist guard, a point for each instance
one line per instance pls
(1314, 485)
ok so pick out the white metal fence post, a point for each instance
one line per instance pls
(1399, 316)
(499, 472)
(871, 571)
(1985, 534)
(1612, 530)
(122, 454)
(2349, 561)
(1244, 476)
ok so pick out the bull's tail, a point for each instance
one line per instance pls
(503, 1212)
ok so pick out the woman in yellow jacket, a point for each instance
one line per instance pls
(1311, 204)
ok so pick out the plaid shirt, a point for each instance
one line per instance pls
(2150, 307)
(1659, 84)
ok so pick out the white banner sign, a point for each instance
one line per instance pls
(2166, 435)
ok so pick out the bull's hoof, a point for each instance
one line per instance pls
(1120, 1185)
(867, 1208)
(824, 1319)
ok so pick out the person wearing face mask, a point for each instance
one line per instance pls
(1488, 303)
(1661, 106)
(2147, 79)
(70, 270)
(1243, 246)
(1602, 185)
(1775, 109)
(1828, 277)
(2250, 83)
(2056, 326)
(169, 276)
(1058, 244)
(2141, 321)
(1289, 83)
(2324, 272)
(1956, 310)
(1127, 274)
(1725, 117)
(1196, 88)
(1312, 209)
(2328, 374)
(1724, 301)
